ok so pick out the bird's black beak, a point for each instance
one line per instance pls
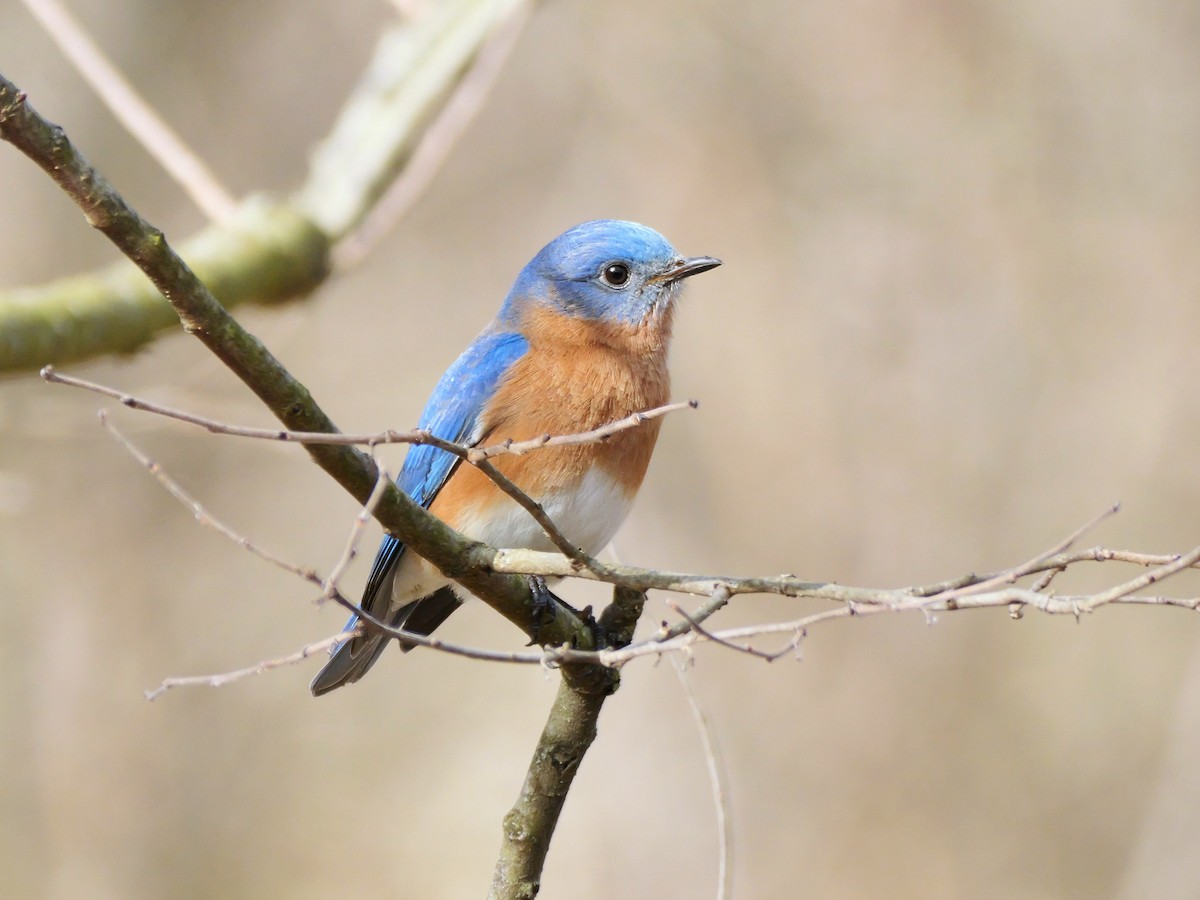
(685, 268)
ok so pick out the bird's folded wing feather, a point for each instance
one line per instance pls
(453, 413)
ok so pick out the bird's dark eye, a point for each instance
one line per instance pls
(615, 274)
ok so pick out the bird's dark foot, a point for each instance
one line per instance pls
(601, 637)
(545, 605)
(545, 609)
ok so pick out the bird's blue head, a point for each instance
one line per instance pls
(607, 271)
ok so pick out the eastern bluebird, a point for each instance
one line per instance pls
(580, 341)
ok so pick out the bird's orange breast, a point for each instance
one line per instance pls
(577, 375)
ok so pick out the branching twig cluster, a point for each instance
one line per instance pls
(991, 590)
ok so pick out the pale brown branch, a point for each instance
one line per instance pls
(51, 375)
(365, 514)
(328, 585)
(438, 140)
(583, 437)
(1066, 605)
(199, 513)
(1186, 561)
(718, 599)
(966, 592)
(478, 457)
(259, 668)
(1036, 564)
(139, 117)
(568, 547)
(519, 561)
(693, 625)
(1044, 581)
(717, 780)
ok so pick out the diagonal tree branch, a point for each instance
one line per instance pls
(408, 80)
(141, 119)
(267, 253)
(203, 316)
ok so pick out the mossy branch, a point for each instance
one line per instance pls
(269, 251)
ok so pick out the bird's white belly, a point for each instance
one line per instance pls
(588, 516)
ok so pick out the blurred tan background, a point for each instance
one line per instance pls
(957, 318)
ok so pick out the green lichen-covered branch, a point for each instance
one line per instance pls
(271, 251)
(267, 254)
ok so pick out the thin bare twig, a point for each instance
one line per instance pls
(478, 457)
(584, 437)
(436, 143)
(259, 668)
(199, 513)
(694, 626)
(1036, 564)
(1068, 605)
(328, 585)
(365, 514)
(717, 600)
(717, 780)
(51, 375)
(935, 597)
(568, 547)
(1043, 582)
(139, 117)
(1186, 561)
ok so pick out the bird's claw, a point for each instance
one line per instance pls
(545, 606)
(545, 611)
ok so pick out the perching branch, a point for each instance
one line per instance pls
(203, 316)
(477, 456)
(965, 592)
(569, 732)
(328, 585)
(391, 436)
(689, 631)
(996, 589)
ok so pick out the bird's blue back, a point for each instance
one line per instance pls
(453, 414)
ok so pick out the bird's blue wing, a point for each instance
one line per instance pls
(453, 414)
